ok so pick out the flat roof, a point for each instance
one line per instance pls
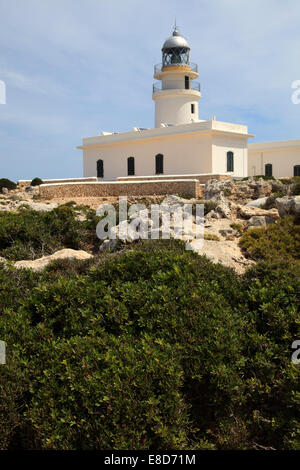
(212, 126)
(275, 145)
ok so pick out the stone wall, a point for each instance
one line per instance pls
(190, 187)
(202, 178)
(24, 183)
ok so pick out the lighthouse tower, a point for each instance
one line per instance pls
(176, 97)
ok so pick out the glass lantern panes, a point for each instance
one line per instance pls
(176, 56)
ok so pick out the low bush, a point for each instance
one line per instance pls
(36, 182)
(266, 178)
(6, 183)
(150, 348)
(30, 234)
(279, 241)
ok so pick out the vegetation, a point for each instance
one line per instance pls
(280, 241)
(6, 183)
(36, 182)
(237, 227)
(151, 347)
(31, 234)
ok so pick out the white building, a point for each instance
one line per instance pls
(180, 143)
(278, 159)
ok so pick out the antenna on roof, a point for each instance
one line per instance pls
(175, 25)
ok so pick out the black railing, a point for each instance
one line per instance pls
(194, 86)
(193, 67)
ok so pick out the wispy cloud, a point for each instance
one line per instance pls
(73, 68)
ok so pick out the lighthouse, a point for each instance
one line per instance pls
(180, 147)
(175, 93)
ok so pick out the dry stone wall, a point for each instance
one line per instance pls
(190, 187)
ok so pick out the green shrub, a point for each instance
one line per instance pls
(152, 348)
(257, 177)
(30, 234)
(36, 182)
(6, 183)
(277, 241)
(211, 236)
(209, 205)
(295, 188)
(237, 227)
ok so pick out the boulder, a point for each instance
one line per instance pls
(260, 221)
(223, 208)
(288, 205)
(248, 211)
(4, 190)
(257, 202)
(226, 252)
(41, 263)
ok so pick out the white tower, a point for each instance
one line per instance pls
(176, 98)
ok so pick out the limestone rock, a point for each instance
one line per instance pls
(41, 263)
(4, 190)
(223, 208)
(260, 221)
(257, 202)
(237, 190)
(288, 205)
(226, 252)
(248, 211)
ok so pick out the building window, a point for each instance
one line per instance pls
(297, 170)
(193, 108)
(229, 161)
(100, 171)
(159, 164)
(268, 170)
(130, 166)
(187, 82)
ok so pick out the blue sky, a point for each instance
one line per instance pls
(73, 68)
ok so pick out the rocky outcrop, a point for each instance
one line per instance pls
(238, 191)
(41, 263)
(257, 202)
(248, 211)
(260, 221)
(225, 252)
(220, 243)
(288, 205)
(15, 204)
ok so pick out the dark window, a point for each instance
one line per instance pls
(297, 170)
(100, 172)
(268, 169)
(187, 82)
(229, 161)
(130, 166)
(193, 108)
(159, 164)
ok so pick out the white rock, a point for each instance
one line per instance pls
(257, 202)
(41, 263)
(247, 212)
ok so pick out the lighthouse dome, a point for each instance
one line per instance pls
(176, 40)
